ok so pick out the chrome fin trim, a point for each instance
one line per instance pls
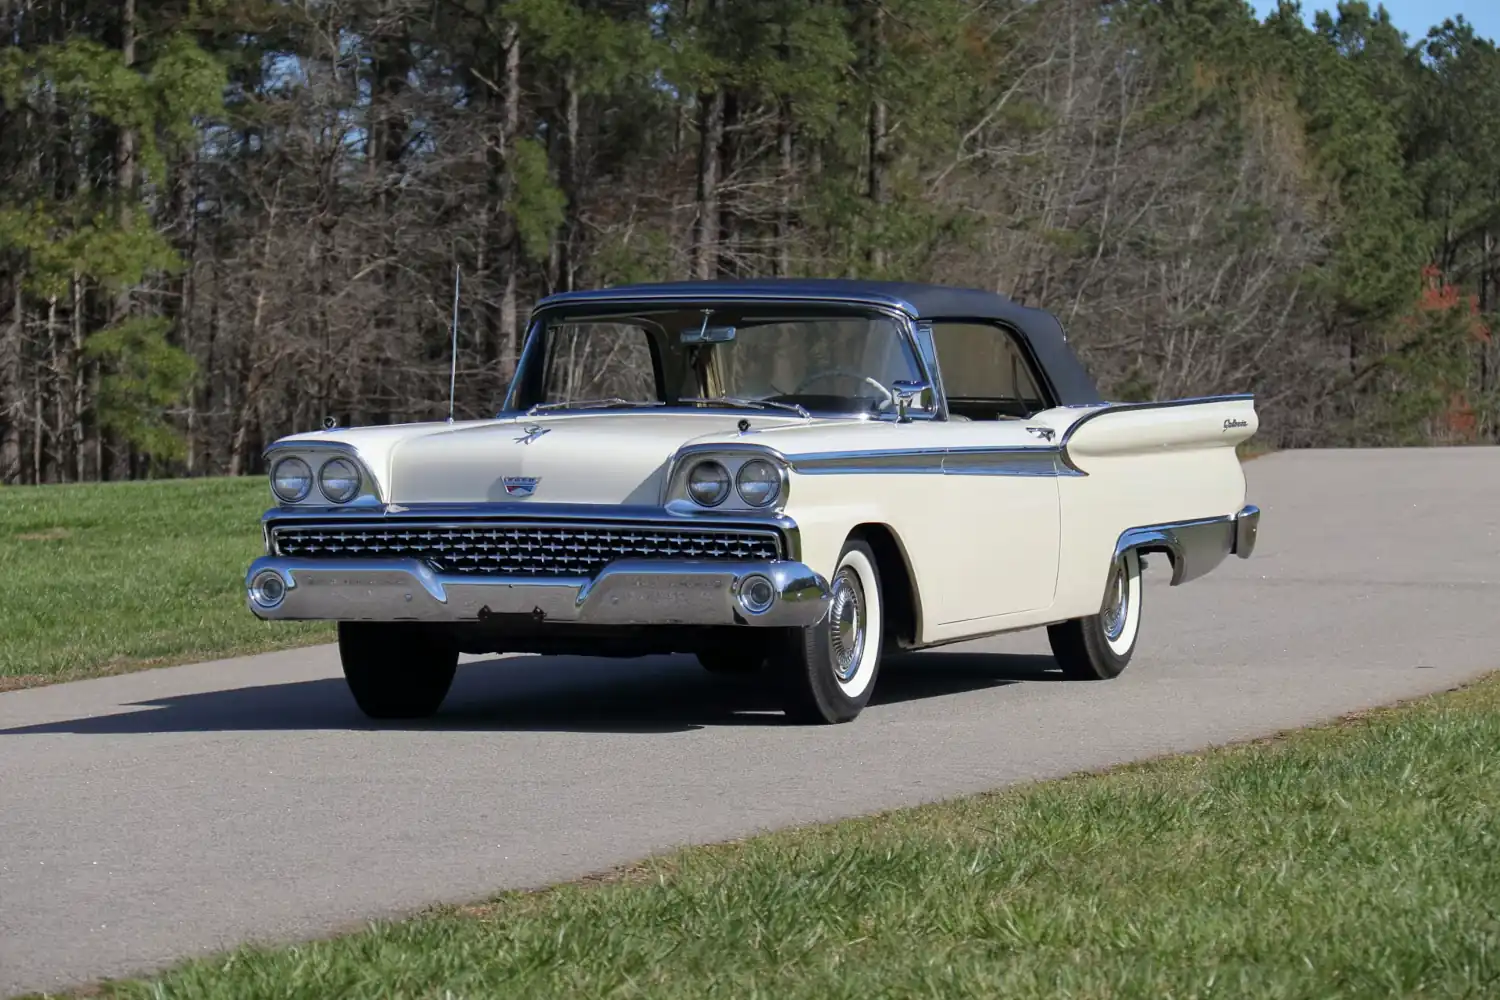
(1163, 404)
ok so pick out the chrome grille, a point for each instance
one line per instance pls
(501, 549)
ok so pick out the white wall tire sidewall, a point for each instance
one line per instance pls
(869, 658)
(1126, 642)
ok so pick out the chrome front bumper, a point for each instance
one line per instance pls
(627, 592)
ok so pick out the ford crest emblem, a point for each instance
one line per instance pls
(520, 486)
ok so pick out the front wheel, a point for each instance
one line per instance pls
(1099, 647)
(828, 671)
(396, 670)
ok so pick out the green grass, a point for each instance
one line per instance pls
(1357, 860)
(105, 577)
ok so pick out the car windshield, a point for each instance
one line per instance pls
(787, 360)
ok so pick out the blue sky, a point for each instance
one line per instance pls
(1415, 16)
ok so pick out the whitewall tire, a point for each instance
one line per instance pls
(396, 670)
(828, 671)
(1100, 646)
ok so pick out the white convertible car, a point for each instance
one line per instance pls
(790, 477)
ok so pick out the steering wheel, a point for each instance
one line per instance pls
(890, 397)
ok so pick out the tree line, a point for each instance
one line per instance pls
(225, 220)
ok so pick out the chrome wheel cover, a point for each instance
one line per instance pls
(846, 625)
(1116, 604)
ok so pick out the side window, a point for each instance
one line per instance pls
(985, 375)
(598, 361)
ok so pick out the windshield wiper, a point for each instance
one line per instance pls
(740, 401)
(593, 404)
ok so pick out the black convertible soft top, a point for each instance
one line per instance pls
(1042, 333)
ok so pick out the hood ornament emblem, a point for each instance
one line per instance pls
(532, 433)
(520, 486)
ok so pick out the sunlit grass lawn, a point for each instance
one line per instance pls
(101, 577)
(1359, 860)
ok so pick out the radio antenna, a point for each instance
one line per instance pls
(453, 359)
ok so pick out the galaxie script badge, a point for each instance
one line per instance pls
(1232, 423)
(520, 486)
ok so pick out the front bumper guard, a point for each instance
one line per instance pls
(627, 592)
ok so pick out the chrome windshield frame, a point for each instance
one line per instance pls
(917, 339)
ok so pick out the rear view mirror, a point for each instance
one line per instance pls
(708, 335)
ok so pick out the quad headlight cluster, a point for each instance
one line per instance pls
(758, 483)
(339, 480)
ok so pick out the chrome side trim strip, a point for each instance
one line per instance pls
(1004, 460)
(1022, 462)
(628, 592)
(906, 460)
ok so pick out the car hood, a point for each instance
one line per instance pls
(587, 458)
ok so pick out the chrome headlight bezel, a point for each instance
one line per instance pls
(732, 460)
(316, 457)
(306, 476)
(354, 476)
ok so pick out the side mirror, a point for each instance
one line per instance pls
(917, 391)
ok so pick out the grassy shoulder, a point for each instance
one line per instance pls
(1360, 859)
(101, 578)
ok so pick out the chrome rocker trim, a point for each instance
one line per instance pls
(626, 592)
(1195, 547)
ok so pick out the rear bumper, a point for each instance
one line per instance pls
(1246, 527)
(1196, 548)
(627, 592)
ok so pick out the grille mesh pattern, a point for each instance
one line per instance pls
(521, 549)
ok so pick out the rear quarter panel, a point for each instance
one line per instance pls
(1143, 465)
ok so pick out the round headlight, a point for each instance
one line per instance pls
(708, 483)
(339, 480)
(291, 480)
(758, 483)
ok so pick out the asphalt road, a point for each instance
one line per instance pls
(153, 816)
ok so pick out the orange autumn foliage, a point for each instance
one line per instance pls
(1439, 302)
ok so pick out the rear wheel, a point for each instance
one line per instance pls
(828, 671)
(396, 670)
(1099, 647)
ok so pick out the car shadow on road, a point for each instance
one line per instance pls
(556, 694)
